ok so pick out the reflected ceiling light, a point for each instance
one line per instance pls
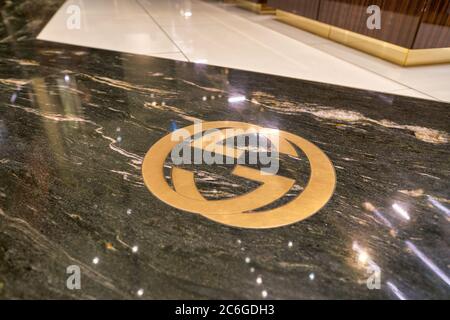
(428, 262)
(402, 212)
(396, 291)
(383, 218)
(13, 97)
(201, 61)
(187, 14)
(362, 255)
(369, 207)
(236, 99)
(439, 205)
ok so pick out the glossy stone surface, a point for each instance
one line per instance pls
(75, 124)
(22, 20)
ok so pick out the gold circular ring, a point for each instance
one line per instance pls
(237, 211)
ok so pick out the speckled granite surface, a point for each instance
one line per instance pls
(75, 124)
(22, 20)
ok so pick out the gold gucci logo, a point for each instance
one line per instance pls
(240, 210)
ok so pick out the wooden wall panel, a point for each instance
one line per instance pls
(413, 24)
(434, 29)
(400, 21)
(399, 18)
(346, 14)
(304, 8)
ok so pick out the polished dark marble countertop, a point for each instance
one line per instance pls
(75, 124)
(22, 20)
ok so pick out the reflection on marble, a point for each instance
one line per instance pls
(75, 124)
(23, 19)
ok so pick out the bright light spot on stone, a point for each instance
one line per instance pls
(119, 139)
(118, 129)
(252, 269)
(66, 78)
(264, 294)
(311, 276)
(247, 260)
(129, 211)
(236, 99)
(239, 241)
(96, 260)
(204, 98)
(402, 212)
(363, 257)
(140, 292)
(13, 97)
(135, 249)
(259, 280)
(290, 244)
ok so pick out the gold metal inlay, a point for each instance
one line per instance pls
(239, 211)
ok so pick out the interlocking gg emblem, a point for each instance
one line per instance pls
(239, 211)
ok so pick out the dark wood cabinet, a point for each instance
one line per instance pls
(411, 24)
(399, 18)
(305, 8)
(434, 28)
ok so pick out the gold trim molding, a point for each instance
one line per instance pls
(255, 7)
(382, 49)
